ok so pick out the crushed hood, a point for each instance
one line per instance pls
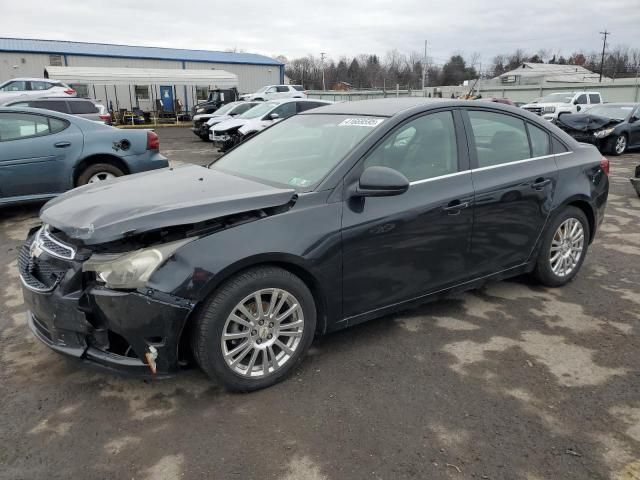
(108, 211)
(584, 122)
(229, 124)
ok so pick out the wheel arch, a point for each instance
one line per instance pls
(98, 158)
(582, 202)
(291, 263)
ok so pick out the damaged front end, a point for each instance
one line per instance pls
(76, 313)
(593, 129)
(88, 272)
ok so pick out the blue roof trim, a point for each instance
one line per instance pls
(129, 51)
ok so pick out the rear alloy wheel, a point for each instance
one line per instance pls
(563, 248)
(98, 172)
(255, 329)
(619, 145)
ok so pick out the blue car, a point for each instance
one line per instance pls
(44, 153)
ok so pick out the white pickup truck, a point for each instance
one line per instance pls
(551, 106)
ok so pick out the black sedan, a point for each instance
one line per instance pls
(612, 127)
(325, 220)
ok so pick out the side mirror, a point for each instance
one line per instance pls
(381, 182)
(274, 116)
(578, 108)
(633, 119)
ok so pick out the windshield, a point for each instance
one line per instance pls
(298, 152)
(618, 112)
(260, 90)
(225, 108)
(557, 98)
(258, 110)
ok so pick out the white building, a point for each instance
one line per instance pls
(30, 58)
(539, 73)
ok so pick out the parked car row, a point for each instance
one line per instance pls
(204, 121)
(329, 218)
(551, 106)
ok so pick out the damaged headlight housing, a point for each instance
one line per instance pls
(132, 269)
(603, 133)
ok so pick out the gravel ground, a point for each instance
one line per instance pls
(512, 381)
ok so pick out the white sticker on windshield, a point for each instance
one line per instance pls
(361, 122)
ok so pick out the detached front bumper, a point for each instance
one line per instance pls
(114, 329)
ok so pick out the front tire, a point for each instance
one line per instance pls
(618, 145)
(563, 249)
(255, 329)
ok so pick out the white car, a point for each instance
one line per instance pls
(553, 105)
(230, 133)
(19, 88)
(272, 92)
(202, 121)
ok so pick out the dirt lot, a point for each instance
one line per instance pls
(512, 381)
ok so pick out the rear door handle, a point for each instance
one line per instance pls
(62, 144)
(455, 206)
(540, 183)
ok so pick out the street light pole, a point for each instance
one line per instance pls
(322, 55)
(604, 45)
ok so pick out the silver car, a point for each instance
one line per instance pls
(26, 88)
(79, 107)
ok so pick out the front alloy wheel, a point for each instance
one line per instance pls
(620, 144)
(255, 328)
(262, 333)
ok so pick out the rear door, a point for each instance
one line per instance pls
(37, 154)
(514, 176)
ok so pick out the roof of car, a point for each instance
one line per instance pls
(384, 107)
(33, 79)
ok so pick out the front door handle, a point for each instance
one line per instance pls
(62, 144)
(454, 207)
(540, 183)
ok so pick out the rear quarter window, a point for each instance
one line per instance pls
(80, 107)
(298, 87)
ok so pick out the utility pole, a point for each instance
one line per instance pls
(424, 67)
(322, 55)
(604, 46)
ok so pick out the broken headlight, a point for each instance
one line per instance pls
(603, 133)
(132, 269)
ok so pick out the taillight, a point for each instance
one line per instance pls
(70, 91)
(105, 117)
(153, 142)
(604, 164)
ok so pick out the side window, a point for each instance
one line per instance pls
(558, 147)
(271, 90)
(286, 109)
(582, 99)
(16, 86)
(15, 126)
(282, 88)
(420, 149)
(81, 107)
(539, 141)
(499, 138)
(40, 85)
(594, 98)
(56, 125)
(55, 105)
(304, 106)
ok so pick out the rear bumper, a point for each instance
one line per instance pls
(147, 161)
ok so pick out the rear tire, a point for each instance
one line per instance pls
(98, 172)
(272, 344)
(564, 246)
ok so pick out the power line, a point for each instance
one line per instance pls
(604, 46)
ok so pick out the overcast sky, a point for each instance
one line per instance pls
(296, 28)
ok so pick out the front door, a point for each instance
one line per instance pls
(399, 248)
(166, 97)
(37, 153)
(514, 177)
(634, 128)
